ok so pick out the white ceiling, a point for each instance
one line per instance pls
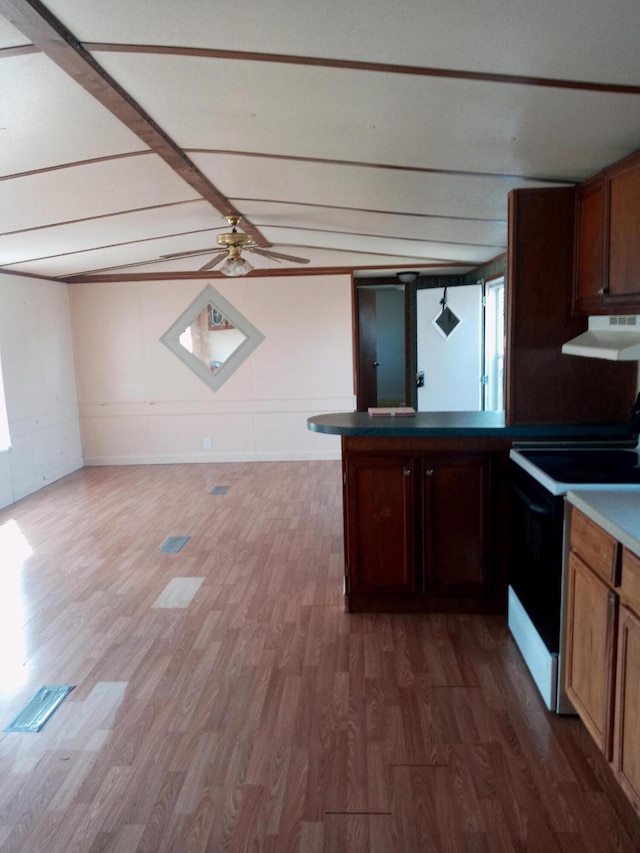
(359, 135)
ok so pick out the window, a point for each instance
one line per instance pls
(494, 346)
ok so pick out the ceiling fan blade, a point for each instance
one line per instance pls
(278, 255)
(214, 260)
(189, 254)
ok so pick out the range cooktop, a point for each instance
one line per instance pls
(563, 468)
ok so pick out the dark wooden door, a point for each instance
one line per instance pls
(380, 506)
(456, 524)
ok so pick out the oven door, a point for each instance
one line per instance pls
(535, 577)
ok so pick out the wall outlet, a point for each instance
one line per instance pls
(206, 443)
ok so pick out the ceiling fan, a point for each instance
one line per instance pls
(232, 244)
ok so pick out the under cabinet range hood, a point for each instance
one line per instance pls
(613, 338)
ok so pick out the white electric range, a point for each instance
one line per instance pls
(540, 477)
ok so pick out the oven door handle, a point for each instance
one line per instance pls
(537, 509)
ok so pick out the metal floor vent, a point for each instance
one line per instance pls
(219, 490)
(40, 709)
(174, 544)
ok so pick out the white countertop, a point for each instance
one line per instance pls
(617, 512)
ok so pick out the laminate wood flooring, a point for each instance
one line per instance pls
(255, 715)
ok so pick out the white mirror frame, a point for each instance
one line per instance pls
(253, 338)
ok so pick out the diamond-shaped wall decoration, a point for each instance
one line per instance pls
(446, 321)
(212, 338)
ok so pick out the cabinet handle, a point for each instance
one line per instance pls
(429, 472)
(407, 472)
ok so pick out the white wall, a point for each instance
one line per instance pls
(39, 383)
(141, 404)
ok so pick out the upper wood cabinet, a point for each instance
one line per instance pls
(588, 285)
(622, 235)
(607, 241)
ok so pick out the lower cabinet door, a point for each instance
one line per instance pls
(380, 515)
(591, 631)
(627, 722)
(456, 501)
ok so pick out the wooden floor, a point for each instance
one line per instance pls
(241, 709)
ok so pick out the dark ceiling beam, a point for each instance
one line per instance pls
(101, 278)
(49, 35)
(377, 67)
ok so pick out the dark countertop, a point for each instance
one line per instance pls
(453, 424)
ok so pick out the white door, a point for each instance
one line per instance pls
(450, 358)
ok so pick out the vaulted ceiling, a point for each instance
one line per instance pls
(362, 135)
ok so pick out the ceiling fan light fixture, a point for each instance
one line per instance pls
(235, 267)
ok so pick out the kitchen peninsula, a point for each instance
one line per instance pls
(425, 503)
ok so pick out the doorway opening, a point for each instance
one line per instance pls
(381, 349)
(410, 353)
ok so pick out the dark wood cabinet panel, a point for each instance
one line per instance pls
(607, 241)
(543, 385)
(380, 514)
(455, 524)
(588, 283)
(420, 521)
(622, 237)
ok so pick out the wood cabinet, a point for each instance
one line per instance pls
(380, 534)
(592, 622)
(622, 236)
(456, 518)
(627, 721)
(542, 385)
(603, 646)
(588, 284)
(419, 520)
(607, 241)
(626, 758)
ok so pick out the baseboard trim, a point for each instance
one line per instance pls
(173, 459)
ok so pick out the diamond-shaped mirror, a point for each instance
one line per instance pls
(212, 338)
(446, 321)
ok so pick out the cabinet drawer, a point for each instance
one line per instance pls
(598, 550)
(630, 581)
